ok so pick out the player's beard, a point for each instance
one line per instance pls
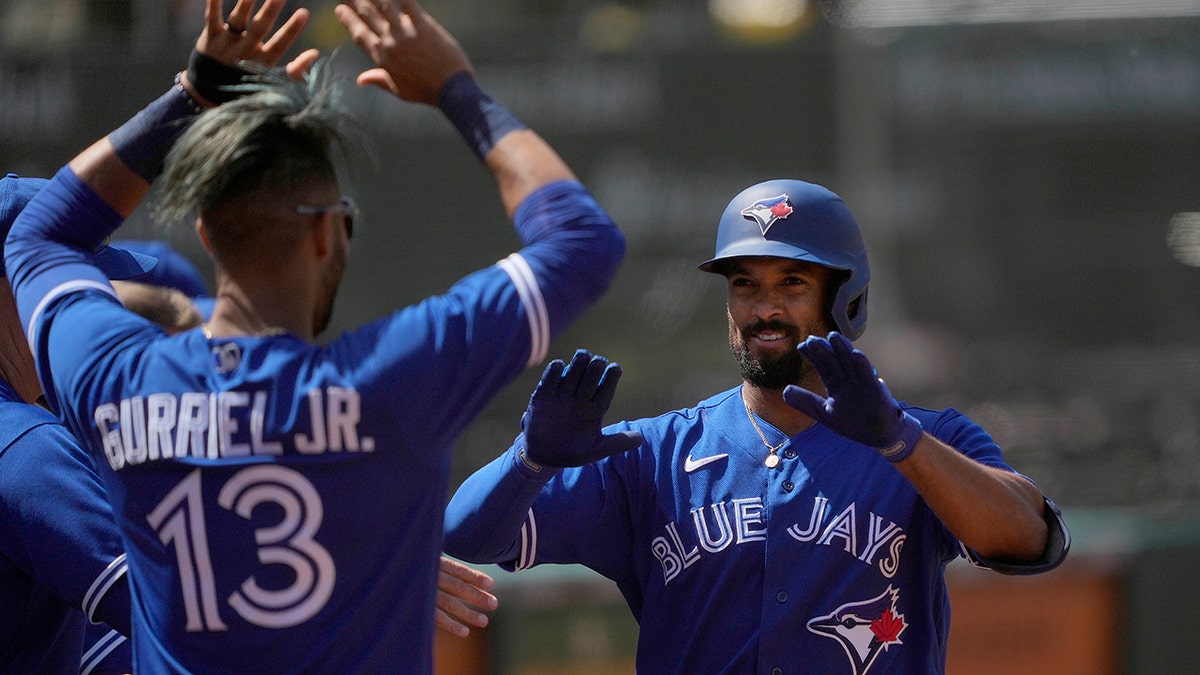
(774, 373)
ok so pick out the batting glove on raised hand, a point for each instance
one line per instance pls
(858, 405)
(563, 421)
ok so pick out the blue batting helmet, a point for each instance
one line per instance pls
(799, 221)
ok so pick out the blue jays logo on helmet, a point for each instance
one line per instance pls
(767, 211)
(799, 221)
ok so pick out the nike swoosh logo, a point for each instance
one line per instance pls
(690, 465)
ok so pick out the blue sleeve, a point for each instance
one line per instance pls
(486, 514)
(46, 253)
(58, 526)
(572, 248)
(105, 652)
(468, 344)
(505, 513)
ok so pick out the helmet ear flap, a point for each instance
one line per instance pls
(846, 304)
(854, 321)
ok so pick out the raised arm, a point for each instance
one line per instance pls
(998, 514)
(120, 166)
(572, 248)
(419, 61)
(562, 427)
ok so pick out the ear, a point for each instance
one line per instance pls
(202, 232)
(321, 235)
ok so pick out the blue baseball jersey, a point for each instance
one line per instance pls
(828, 563)
(281, 502)
(60, 553)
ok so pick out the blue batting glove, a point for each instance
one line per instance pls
(859, 405)
(563, 421)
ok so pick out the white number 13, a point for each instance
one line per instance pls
(179, 521)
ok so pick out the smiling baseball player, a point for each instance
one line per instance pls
(771, 528)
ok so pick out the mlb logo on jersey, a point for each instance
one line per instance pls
(227, 357)
(767, 211)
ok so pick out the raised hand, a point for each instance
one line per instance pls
(240, 36)
(462, 589)
(415, 54)
(563, 421)
(858, 404)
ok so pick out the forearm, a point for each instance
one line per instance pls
(996, 513)
(521, 163)
(484, 518)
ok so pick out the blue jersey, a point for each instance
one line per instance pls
(281, 502)
(60, 554)
(829, 563)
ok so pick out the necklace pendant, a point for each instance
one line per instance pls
(772, 461)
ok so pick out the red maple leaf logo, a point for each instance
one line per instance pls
(888, 626)
(781, 210)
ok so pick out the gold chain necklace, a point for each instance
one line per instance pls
(772, 459)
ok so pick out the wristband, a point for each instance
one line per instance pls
(479, 118)
(906, 441)
(529, 463)
(213, 80)
(143, 142)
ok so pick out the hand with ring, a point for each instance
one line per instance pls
(246, 35)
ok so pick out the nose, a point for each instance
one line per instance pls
(767, 303)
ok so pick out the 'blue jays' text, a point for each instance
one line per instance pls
(876, 541)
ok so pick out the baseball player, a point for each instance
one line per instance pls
(797, 523)
(281, 502)
(62, 564)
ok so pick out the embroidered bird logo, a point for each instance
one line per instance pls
(864, 629)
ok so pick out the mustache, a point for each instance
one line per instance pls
(772, 325)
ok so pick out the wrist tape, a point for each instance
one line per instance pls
(143, 142)
(906, 441)
(480, 120)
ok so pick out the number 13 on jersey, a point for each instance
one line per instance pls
(179, 521)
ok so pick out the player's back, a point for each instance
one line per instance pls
(283, 501)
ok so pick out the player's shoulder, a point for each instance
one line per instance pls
(956, 429)
(681, 420)
(18, 419)
(933, 418)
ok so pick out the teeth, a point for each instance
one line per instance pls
(770, 336)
